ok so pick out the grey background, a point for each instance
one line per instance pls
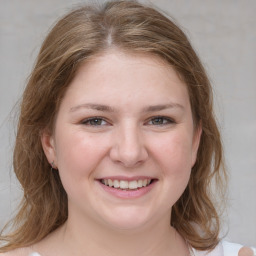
(223, 33)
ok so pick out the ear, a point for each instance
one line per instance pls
(196, 142)
(48, 145)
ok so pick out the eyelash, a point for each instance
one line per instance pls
(164, 121)
(93, 119)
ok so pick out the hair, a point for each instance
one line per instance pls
(85, 32)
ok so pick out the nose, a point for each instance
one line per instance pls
(128, 147)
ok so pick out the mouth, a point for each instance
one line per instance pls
(127, 185)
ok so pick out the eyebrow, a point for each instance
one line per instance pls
(162, 107)
(99, 107)
(105, 108)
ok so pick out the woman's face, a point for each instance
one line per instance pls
(124, 141)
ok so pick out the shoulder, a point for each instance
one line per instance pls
(233, 249)
(225, 248)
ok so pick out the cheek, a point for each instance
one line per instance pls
(172, 158)
(175, 152)
(176, 165)
(78, 154)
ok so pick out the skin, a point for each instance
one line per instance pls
(144, 129)
(245, 251)
(127, 141)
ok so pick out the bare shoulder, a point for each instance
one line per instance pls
(245, 251)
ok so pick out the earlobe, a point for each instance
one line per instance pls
(47, 141)
(196, 142)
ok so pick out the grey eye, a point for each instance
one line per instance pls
(160, 121)
(94, 122)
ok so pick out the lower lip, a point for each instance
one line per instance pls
(128, 194)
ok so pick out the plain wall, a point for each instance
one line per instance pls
(224, 35)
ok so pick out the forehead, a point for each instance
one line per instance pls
(119, 75)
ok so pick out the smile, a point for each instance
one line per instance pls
(126, 185)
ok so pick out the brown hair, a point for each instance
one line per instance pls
(81, 34)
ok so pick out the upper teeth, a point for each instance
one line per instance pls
(124, 184)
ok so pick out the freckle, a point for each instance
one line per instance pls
(245, 251)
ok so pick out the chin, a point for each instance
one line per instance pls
(128, 219)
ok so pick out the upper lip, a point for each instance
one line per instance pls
(127, 178)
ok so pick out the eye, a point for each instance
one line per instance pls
(160, 120)
(94, 121)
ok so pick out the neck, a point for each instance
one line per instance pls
(90, 238)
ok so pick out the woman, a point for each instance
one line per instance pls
(117, 144)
